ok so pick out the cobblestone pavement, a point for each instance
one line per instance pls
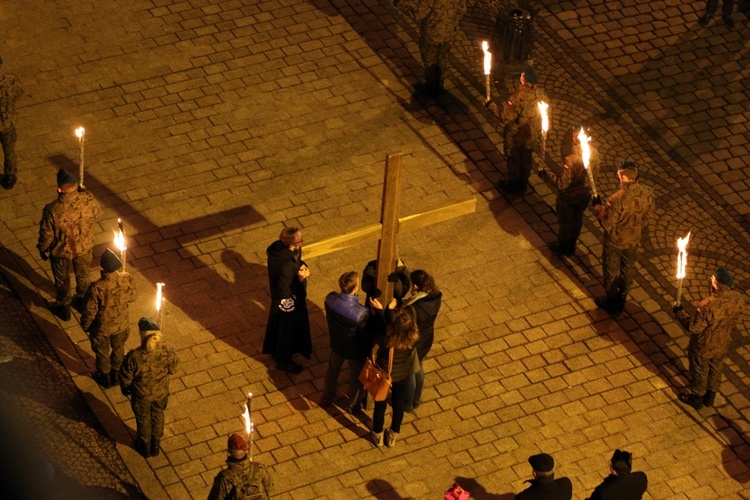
(53, 446)
(211, 124)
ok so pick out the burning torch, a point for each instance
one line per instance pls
(120, 242)
(681, 265)
(487, 69)
(160, 300)
(80, 133)
(584, 141)
(545, 126)
(249, 428)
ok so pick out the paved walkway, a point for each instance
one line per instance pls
(211, 124)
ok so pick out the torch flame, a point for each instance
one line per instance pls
(159, 298)
(246, 416)
(120, 240)
(80, 131)
(584, 140)
(487, 57)
(545, 118)
(682, 255)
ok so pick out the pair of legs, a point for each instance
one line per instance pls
(8, 142)
(356, 391)
(434, 55)
(518, 160)
(618, 268)
(414, 389)
(570, 219)
(705, 377)
(149, 420)
(398, 399)
(61, 271)
(109, 351)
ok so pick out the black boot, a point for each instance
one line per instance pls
(62, 312)
(154, 447)
(114, 378)
(708, 399)
(102, 379)
(142, 448)
(691, 399)
(609, 305)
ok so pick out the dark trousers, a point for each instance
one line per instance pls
(8, 141)
(356, 390)
(61, 270)
(398, 398)
(726, 9)
(619, 270)
(705, 373)
(109, 350)
(149, 418)
(414, 389)
(570, 218)
(519, 165)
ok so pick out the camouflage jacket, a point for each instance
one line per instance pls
(520, 114)
(438, 19)
(105, 310)
(242, 479)
(626, 213)
(712, 324)
(146, 374)
(573, 180)
(10, 91)
(65, 228)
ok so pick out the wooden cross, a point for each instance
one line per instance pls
(386, 232)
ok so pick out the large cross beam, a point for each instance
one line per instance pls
(386, 232)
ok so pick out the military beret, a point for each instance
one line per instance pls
(530, 75)
(237, 443)
(622, 461)
(65, 177)
(110, 262)
(723, 277)
(629, 168)
(542, 462)
(146, 325)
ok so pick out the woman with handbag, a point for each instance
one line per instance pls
(396, 353)
(423, 305)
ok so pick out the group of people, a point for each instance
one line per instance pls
(399, 336)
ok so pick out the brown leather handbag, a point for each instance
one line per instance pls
(376, 380)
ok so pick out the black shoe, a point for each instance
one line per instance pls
(290, 367)
(114, 378)
(729, 21)
(703, 21)
(155, 447)
(77, 303)
(426, 89)
(142, 448)
(608, 305)
(102, 379)
(708, 399)
(560, 249)
(62, 312)
(8, 181)
(323, 403)
(354, 410)
(691, 399)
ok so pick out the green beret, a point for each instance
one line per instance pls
(530, 75)
(65, 177)
(723, 277)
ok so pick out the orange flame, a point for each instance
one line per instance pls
(159, 296)
(80, 131)
(545, 118)
(487, 57)
(246, 415)
(584, 140)
(682, 255)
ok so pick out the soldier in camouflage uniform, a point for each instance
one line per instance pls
(711, 331)
(522, 129)
(572, 199)
(105, 318)
(242, 478)
(10, 91)
(438, 21)
(623, 217)
(65, 238)
(144, 376)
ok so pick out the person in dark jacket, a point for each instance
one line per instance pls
(144, 376)
(423, 305)
(288, 329)
(243, 478)
(621, 484)
(347, 321)
(544, 486)
(401, 335)
(105, 318)
(399, 278)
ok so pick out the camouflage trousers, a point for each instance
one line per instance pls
(149, 418)
(570, 219)
(518, 160)
(8, 141)
(109, 350)
(618, 268)
(705, 373)
(61, 270)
